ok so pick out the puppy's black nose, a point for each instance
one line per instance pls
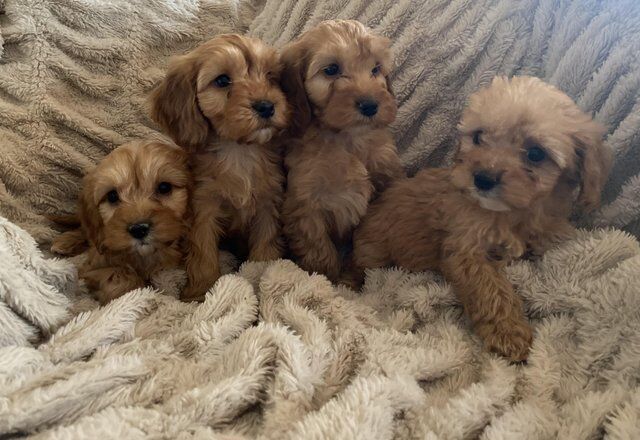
(367, 107)
(264, 109)
(485, 181)
(139, 230)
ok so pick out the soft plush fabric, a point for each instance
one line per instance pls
(74, 75)
(275, 353)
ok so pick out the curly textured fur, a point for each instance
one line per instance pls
(440, 220)
(236, 165)
(337, 158)
(117, 262)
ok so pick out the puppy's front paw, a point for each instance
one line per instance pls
(266, 253)
(70, 243)
(197, 288)
(193, 293)
(511, 339)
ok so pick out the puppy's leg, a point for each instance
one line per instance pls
(370, 251)
(265, 239)
(555, 231)
(310, 241)
(490, 302)
(202, 262)
(385, 167)
(70, 243)
(111, 282)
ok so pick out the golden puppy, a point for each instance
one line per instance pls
(525, 148)
(336, 78)
(132, 211)
(222, 103)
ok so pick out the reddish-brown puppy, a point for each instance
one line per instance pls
(222, 103)
(133, 208)
(524, 148)
(335, 78)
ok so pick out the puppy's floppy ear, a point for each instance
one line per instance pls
(594, 162)
(387, 79)
(174, 104)
(90, 218)
(294, 60)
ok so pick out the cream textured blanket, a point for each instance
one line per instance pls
(74, 76)
(274, 353)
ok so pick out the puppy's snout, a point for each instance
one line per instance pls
(139, 230)
(264, 109)
(367, 107)
(485, 181)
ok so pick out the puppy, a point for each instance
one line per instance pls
(336, 79)
(132, 211)
(525, 149)
(222, 103)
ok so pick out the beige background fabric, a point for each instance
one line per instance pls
(74, 75)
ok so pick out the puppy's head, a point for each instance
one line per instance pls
(135, 199)
(227, 87)
(338, 73)
(521, 139)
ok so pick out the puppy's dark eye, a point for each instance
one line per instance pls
(164, 188)
(376, 70)
(222, 81)
(536, 154)
(331, 70)
(476, 136)
(112, 197)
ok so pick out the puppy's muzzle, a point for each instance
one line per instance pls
(139, 230)
(265, 109)
(367, 107)
(485, 181)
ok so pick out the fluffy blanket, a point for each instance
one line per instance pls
(74, 76)
(275, 353)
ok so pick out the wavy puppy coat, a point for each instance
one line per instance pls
(222, 103)
(335, 77)
(525, 149)
(132, 209)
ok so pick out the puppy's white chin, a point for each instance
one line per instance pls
(143, 249)
(262, 135)
(490, 203)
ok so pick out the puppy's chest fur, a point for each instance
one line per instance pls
(240, 175)
(144, 264)
(504, 236)
(432, 218)
(331, 164)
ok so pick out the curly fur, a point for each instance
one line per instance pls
(337, 158)
(440, 220)
(117, 262)
(237, 167)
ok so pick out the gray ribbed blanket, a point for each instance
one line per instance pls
(74, 75)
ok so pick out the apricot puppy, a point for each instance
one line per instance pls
(336, 79)
(132, 210)
(525, 149)
(222, 103)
